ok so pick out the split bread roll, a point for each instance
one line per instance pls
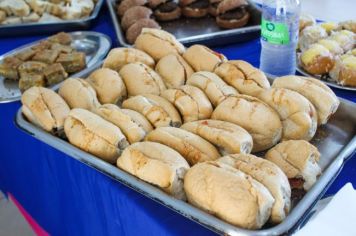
(319, 94)
(158, 111)
(212, 85)
(268, 174)
(174, 70)
(93, 134)
(158, 43)
(256, 117)
(44, 108)
(78, 93)
(134, 125)
(191, 146)
(202, 58)
(298, 115)
(108, 85)
(191, 102)
(241, 75)
(118, 57)
(140, 79)
(228, 137)
(299, 161)
(156, 164)
(228, 194)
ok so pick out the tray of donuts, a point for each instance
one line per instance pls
(327, 51)
(208, 137)
(190, 21)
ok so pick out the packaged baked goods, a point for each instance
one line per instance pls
(191, 146)
(45, 108)
(156, 164)
(256, 117)
(229, 138)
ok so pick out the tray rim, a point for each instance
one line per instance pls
(293, 220)
(186, 40)
(78, 74)
(92, 16)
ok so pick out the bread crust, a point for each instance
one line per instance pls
(232, 24)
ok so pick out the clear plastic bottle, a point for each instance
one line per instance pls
(279, 36)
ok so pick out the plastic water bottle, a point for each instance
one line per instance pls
(279, 36)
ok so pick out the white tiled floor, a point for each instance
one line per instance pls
(11, 221)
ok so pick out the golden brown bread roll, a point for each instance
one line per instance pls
(212, 85)
(108, 85)
(298, 115)
(156, 164)
(174, 70)
(344, 71)
(202, 58)
(157, 110)
(44, 108)
(229, 194)
(317, 60)
(78, 93)
(245, 78)
(158, 43)
(260, 120)
(140, 79)
(268, 174)
(118, 57)
(93, 134)
(191, 146)
(191, 102)
(228, 137)
(319, 94)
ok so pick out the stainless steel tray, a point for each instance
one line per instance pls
(50, 27)
(203, 31)
(330, 83)
(336, 141)
(94, 45)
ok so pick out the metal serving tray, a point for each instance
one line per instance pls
(336, 141)
(94, 45)
(203, 30)
(50, 27)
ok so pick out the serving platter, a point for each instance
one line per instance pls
(336, 142)
(325, 80)
(50, 27)
(204, 30)
(94, 45)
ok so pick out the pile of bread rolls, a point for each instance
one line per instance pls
(328, 50)
(186, 121)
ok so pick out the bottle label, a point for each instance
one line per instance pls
(275, 33)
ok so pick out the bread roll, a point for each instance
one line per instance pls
(156, 164)
(191, 102)
(344, 71)
(134, 14)
(229, 194)
(158, 43)
(159, 114)
(310, 35)
(108, 85)
(202, 58)
(44, 108)
(298, 115)
(78, 93)
(228, 137)
(297, 159)
(132, 128)
(260, 120)
(317, 60)
(140, 79)
(212, 85)
(319, 94)
(93, 134)
(243, 77)
(191, 146)
(268, 174)
(174, 70)
(118, 57)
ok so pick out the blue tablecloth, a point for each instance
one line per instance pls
(68, 198)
